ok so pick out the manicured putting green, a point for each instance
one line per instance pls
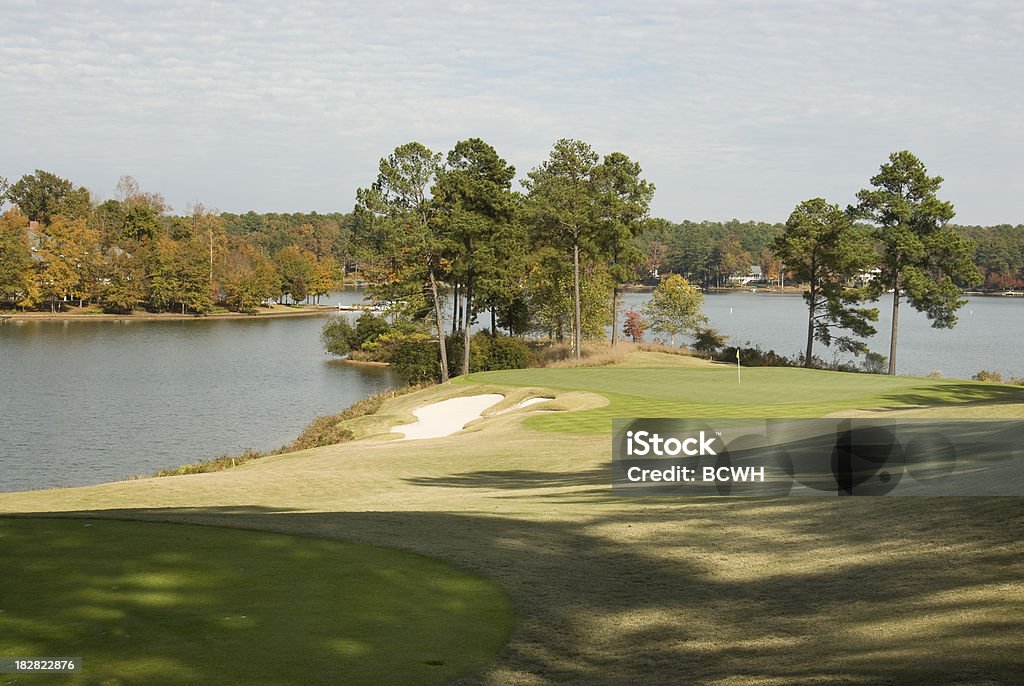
(714, 392)
(144, 602)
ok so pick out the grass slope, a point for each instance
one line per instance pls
(173, 604)
(613, 590)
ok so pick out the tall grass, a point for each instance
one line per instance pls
(324, 430)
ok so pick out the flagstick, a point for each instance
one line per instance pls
(738, 381)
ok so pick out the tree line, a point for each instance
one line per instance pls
(59, 246)
(435, 231)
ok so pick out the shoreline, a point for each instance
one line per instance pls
(274, 312)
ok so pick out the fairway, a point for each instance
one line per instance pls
(611, 589)
(174, 604)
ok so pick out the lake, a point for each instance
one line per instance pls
(987, 336)
(85, 402)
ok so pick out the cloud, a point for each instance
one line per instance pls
(744, 96)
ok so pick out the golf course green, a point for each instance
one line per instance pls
(606, 589)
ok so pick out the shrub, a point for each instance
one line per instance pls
(322, 431)
(504, 352)
(875, 363)
(369, 327)
(756, 357)
(985, 375)
(415, 358)
(338, 336)
(708, 341)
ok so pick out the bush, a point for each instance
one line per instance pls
(708, 341)
(991, 377)
(338, 336)
(415, 358)
(320, 432)
(503, 352)
(756, 357)
(369, 327)
(876, 363)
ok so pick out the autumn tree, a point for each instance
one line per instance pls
(16, 275)
(635, 326)
(922, 257)
(824, 250)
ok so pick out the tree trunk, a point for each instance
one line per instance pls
(615, 314)
(439, 320)
(810, 328)
(576, 334)
(895, 326)
(465, 330)
(455, 309)
(494, 322)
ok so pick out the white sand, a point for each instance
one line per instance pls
(446, 417)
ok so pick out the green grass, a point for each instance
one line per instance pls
(180, 604)
(608, 589)
(713, 391)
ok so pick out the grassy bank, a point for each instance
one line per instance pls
(617, 590)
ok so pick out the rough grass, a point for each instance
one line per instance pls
(171, 604)
(325, 430)
(615, 590)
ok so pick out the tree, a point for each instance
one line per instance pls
(922, 257)
(674, 307)
(123, 290)
(295, 267)
(249, 277)
(731, 258)
(635, 326)
(474, 199)
(623, 202)
(15, 257)
(395, 217)
(65, 247)
(42, 195)
(327, 275)
(821, 247)
(561, 204)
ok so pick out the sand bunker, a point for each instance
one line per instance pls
(446, 417)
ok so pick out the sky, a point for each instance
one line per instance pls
(733, 109)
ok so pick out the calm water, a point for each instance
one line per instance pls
(987, 336)
(87, 402)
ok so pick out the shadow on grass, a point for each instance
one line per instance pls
(873, 590)
(516, 479)
(148, 602)
(955, 394)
